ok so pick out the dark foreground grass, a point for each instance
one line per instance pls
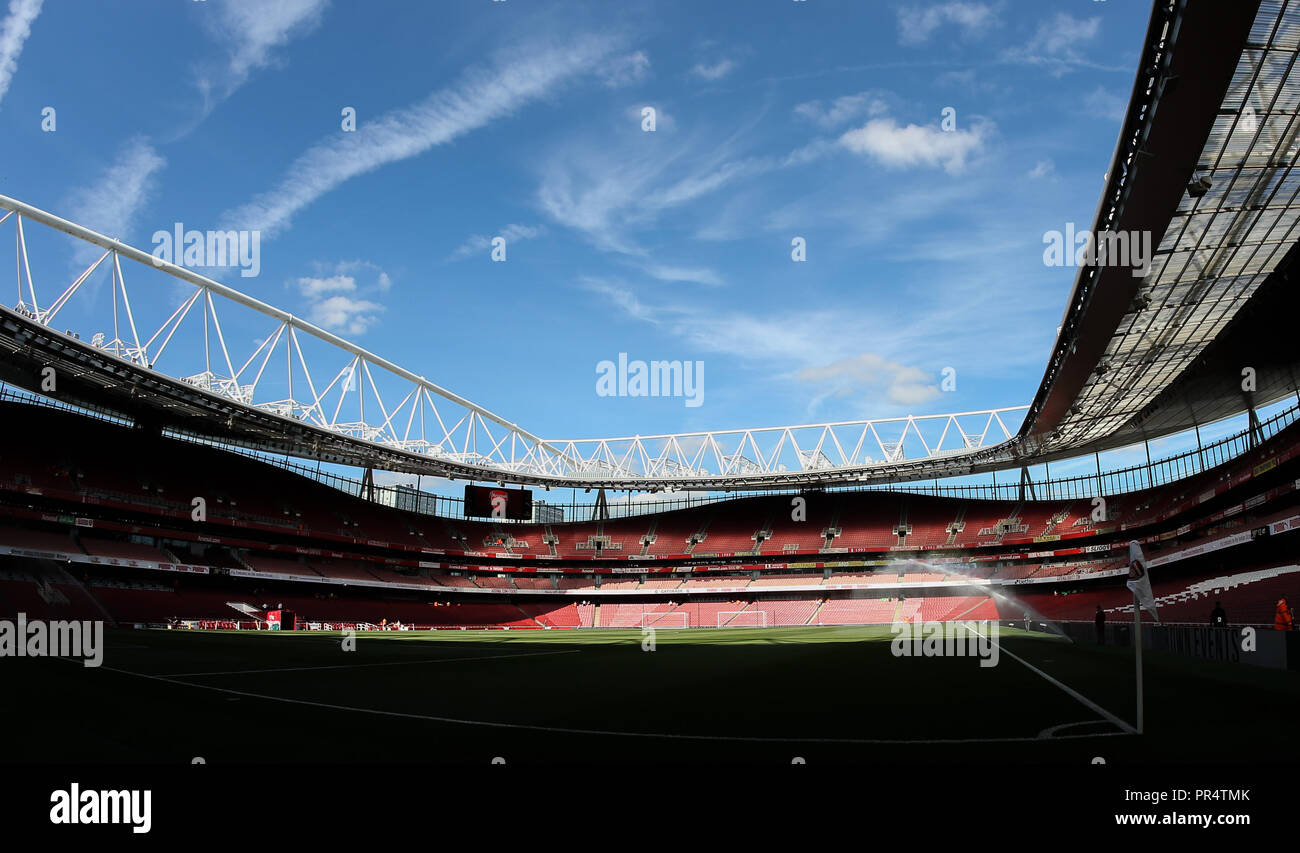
(702, 695)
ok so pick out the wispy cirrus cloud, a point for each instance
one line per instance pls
(832, 114)
(521, 75)
(14, 30)
(1043, 169)
(512, 234)
(871, 375)
(610, 191)
(1057, 44)
(251, 31)
(690, 275)
(1105, 104)
(917, 24)
(714, 70)
(111, 204)
(626, 70)
(791, 348)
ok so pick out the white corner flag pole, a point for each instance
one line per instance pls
(1137, 647)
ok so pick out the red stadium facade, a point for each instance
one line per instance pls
(117, 534)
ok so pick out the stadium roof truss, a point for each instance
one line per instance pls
(1222, 207)
(296, 371)
(1237, 217)
(1219, 247)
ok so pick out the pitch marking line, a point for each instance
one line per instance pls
(1070, 690)
(601, 732)
(363, 665)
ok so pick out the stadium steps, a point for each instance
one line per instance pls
(699, 535)
(764, 533)
(902, 529)
(956, 526)
(247, 610)
(54, 573)
(975, 606)
(816, 611)
(1058, 519)
(537, 621)
(595, 616)
(550, 540)
(1213, 586)
(649, 538)
(832, 530)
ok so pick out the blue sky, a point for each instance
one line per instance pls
(477, 119)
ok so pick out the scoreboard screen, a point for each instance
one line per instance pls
(498, 502)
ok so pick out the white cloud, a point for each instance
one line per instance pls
(916, 25)
(479, 97)
(14, 30)
(332, 297)
(887, 143)
(663, 121)
(344, 314)
(250, 31)
(1056, 44)
(1104, 104)
(843, 109)
(694, 275)
(111, 204)
(1043, 169)
(622, 297)
(313, 288)
(476, 243)
(604, 192)
(716, 71)
(382, 281)
(869, 374)
(626, 70)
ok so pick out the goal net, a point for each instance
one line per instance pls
(674, 619)
(742, 619)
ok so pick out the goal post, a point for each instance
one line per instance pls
(670, 619)
(742, 619)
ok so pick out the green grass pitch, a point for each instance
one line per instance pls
(774, 695)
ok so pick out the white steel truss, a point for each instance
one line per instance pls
(297, 371)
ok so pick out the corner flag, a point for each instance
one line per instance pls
(1138, 579)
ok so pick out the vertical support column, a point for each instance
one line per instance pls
(1026, 480)
(1137, 653)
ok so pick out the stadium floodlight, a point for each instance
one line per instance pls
(1198, 187)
